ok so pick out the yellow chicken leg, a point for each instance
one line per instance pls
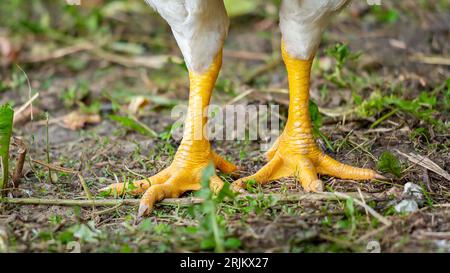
(296, 153)
(193, 155)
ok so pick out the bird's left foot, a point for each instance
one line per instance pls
(303, 160)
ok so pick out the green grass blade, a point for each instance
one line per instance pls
(6, 122)
(134, 124)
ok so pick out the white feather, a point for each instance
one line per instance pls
(199, 26)
(303, 22)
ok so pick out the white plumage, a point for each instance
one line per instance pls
(302, 23)
(200, 26)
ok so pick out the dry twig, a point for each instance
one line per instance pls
(18, 172)
(426, 163)
(180, 201)
(66, 170)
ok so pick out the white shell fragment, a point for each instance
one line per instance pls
(407, 206)
(412, 190)
(413, 196)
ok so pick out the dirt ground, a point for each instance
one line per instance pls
(91, 64)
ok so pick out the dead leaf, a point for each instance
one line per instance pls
(26, 111)
(77, 120)
(397, 44)
(137, 103)
(7, 51)
(25, 115)
(21, 154)
(426, 163)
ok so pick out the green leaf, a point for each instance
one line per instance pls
(349, 208)
(427, 100)
(385, 15)
(316, 117)
(134, 124)
(447, 96)
(66, 236)
(87, 233)
(390, 164)
(207, 243)
(239, 7)
(232, 243)
(225, 192)
(350, 213)
(146, 225)
(6, 124)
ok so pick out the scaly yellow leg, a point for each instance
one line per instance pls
(193, 155)
(296, 153)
